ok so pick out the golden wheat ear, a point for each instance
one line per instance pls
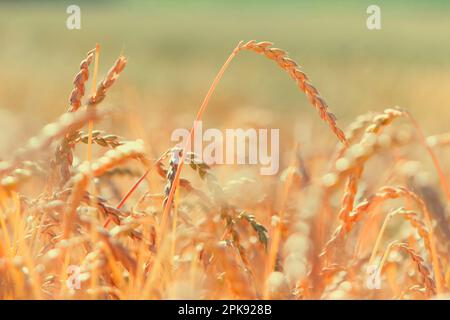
(79, 82)
(109, 80)
(428, 282)
(292, 68)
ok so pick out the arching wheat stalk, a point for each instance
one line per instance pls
(285, 63)
(415, 221)
(417, 259)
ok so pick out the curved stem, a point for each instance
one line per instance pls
(191, 136)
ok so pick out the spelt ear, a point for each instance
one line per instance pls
(109, 80)
(293, 69)
(428, 281)
(79, 82)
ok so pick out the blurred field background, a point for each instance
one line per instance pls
(176, 47)
(174, 50)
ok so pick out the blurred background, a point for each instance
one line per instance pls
(175, 48)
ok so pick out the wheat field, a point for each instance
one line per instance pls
(96, 201)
